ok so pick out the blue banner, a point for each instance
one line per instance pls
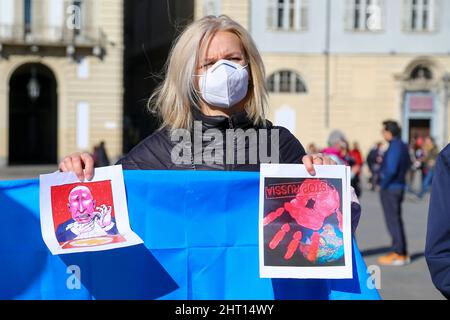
(200, 232)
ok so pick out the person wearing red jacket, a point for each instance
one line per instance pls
(357, 157)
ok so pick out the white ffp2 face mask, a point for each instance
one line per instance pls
(224, 84)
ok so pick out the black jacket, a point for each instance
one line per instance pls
(155, 151)
(437, 249)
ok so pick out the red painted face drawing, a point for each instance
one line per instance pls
(81, 204)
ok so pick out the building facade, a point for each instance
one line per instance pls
(61, 79)
(350, 64)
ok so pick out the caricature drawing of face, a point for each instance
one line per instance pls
(81, 204)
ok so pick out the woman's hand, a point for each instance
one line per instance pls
(76, 162)
(310, 160)
(317, 158)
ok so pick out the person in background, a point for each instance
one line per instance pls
(374, 160)
(336, 145)
(395, 165)
(410, 175)
(417, 156)
(350, 161)
(100, 156)
(338, 150)
(355, 153)
(437, 247)
(312, 149)
(431, 152)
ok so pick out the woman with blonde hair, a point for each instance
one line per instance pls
(214, 83)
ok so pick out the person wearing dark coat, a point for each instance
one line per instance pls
(395, 165)
(374, 161)
(437, 247)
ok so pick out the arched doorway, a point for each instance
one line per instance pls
(32, 115)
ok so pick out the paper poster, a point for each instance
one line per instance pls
(85, 216)
(305, 222)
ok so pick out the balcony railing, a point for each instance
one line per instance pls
(47, 35)
(52, 41)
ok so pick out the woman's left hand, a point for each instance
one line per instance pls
(316, 159)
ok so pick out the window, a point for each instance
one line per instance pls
(421, 72)
(290, 15)
(364, 15)
(286, 81)
(420, 15)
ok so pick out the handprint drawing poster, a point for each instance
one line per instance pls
(85, 216)
(305, 222)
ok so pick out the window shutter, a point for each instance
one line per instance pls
(271, 83)
(375, 10)
(286, 18)
(381, 14)
(271, 14)
(349, 15)
(277, 82)
(435, 15)
(55, 19)
(406, 15)
(292, 83)
(304, 12)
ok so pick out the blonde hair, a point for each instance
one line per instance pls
(176, 95)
